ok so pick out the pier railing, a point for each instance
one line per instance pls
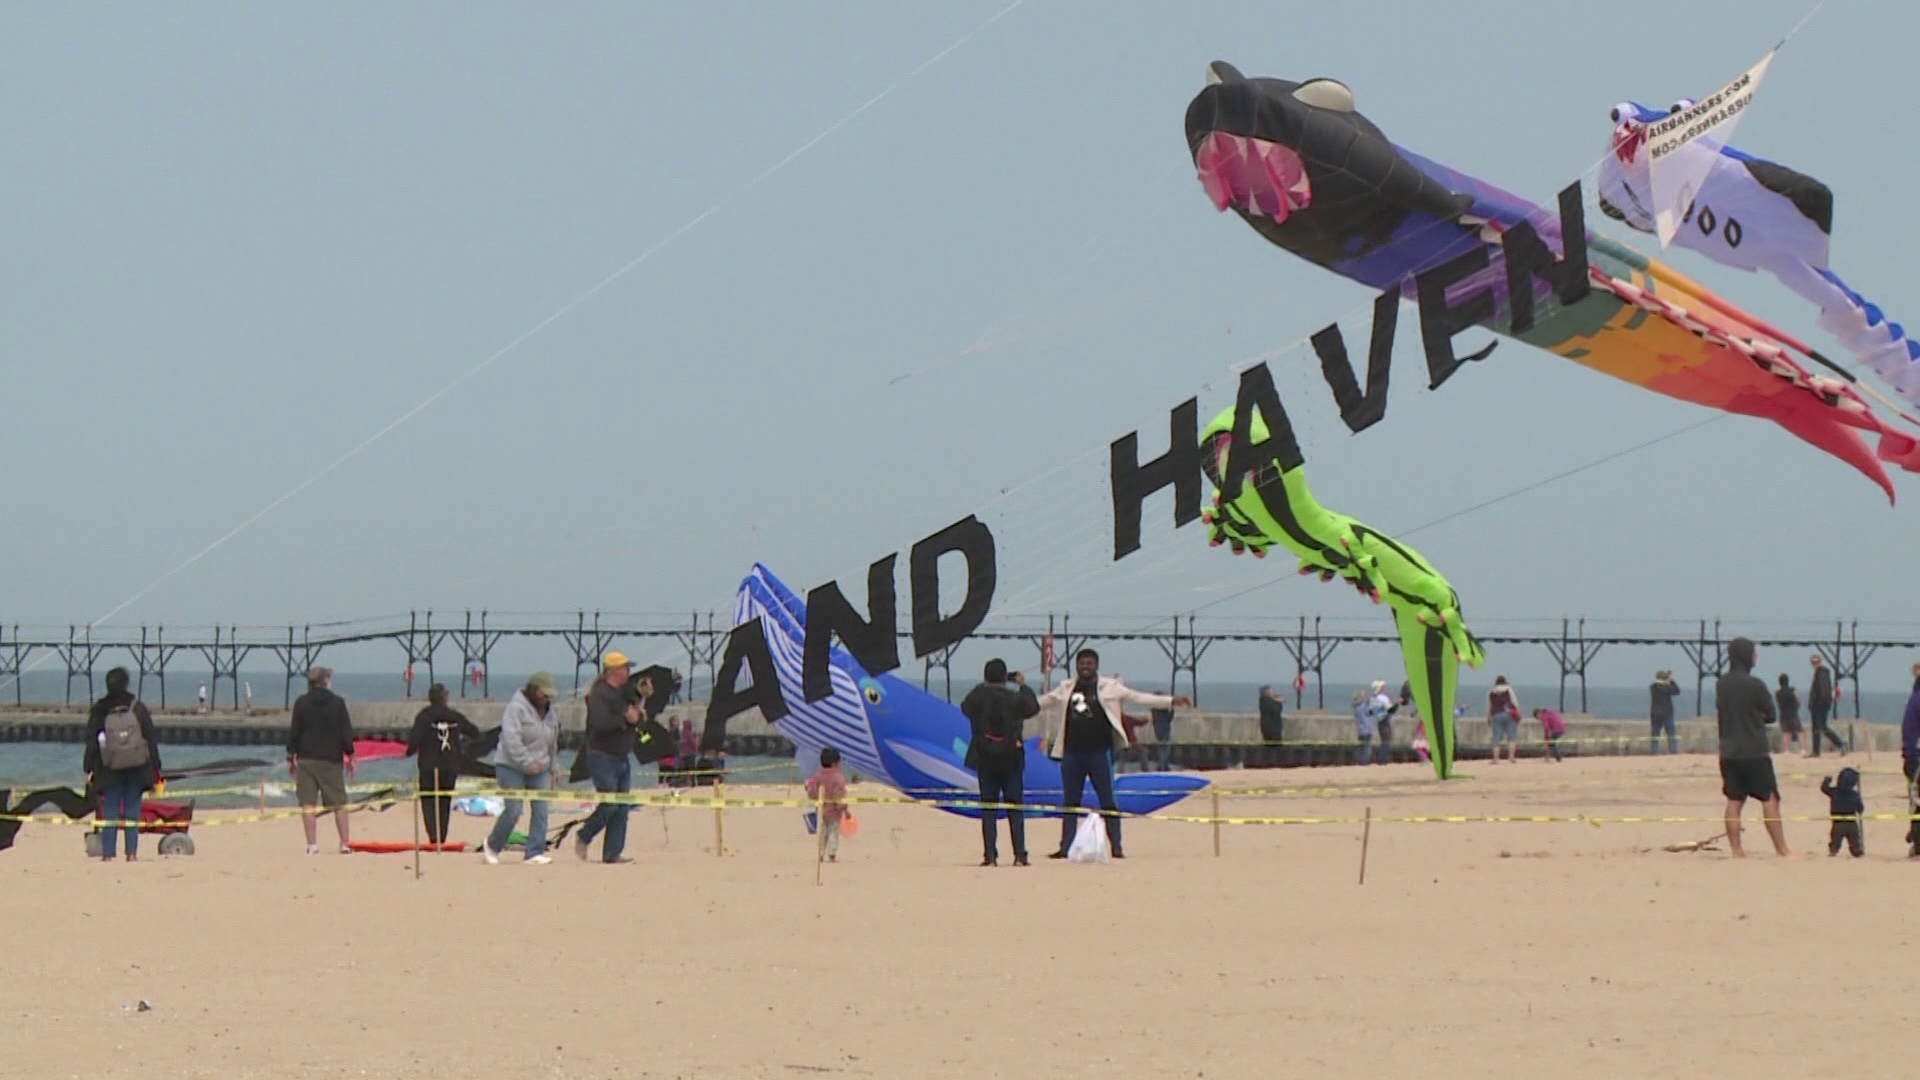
(1308, 640)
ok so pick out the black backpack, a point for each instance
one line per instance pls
(999, 733)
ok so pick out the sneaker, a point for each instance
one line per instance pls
(1021, 860)
(541, 859)
(989, 861)
(491, 856)
(622, 860)
(313, 849)
(1057, 855)
(345, 850)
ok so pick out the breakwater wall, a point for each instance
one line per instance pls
(1201, 740)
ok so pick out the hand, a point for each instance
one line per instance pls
(1181, 701)
(349, 764)
(633, 714)
(536, 770)
(293, 768)
(1020, 678)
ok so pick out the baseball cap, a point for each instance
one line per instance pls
(543, 681)
(615, 660)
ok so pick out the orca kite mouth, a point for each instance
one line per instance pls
(1255, 176)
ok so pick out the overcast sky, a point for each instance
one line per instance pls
(243, 240)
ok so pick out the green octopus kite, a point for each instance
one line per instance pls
(1274, 506)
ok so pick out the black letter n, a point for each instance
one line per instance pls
(1527, 256)
(872, 641)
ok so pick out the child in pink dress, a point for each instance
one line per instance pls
(829, 788)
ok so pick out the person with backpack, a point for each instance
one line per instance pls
(122, 761)
(1503, 716)
(997, 755)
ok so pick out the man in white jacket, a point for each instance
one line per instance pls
(1081, 729)
(526, 761)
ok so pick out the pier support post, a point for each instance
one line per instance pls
(1310, 654)
(1184, 656)
(1709, 659)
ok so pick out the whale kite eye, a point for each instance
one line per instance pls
(1328, 94)
(871, 691)
(1680, 105)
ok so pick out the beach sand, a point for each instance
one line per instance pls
(1472, 950)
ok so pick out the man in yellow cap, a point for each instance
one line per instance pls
(611, 723)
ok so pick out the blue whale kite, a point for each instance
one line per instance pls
(891, 731)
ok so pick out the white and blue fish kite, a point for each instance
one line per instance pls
(1759, 216)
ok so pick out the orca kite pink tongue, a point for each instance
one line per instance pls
(1256, 176)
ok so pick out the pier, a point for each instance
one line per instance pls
(420, 641)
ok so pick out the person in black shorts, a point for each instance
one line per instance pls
(1746, 760)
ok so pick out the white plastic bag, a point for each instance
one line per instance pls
(1090, 841)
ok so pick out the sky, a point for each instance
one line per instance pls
(244, 244)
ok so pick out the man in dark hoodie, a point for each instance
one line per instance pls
(1745, 708)
(1820, 705)
(1663, 691)
(1273, 715)
(997, 754)
(320, 755)
(612, 719)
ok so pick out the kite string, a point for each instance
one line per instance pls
(1097, 244)
(1815, 10)
(1494, 501)
(561, 312)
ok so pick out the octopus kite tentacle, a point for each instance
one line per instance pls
(1275, 506)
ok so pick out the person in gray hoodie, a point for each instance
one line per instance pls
(526, 760)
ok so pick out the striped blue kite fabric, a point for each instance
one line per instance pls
(892, 732)
(1760, 216)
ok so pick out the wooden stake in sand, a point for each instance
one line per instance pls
(416, 837)
(1216, 820)
(820, 836)
(719, 819)
(263, 797)
(1366, 835)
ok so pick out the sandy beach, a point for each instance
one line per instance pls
(1473, 948)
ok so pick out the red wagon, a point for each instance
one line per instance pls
(168, 820)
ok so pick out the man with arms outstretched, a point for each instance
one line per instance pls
(1746, 760)
(1081, 730)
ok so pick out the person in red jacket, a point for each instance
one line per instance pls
(829, 788)
(1552, 726)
